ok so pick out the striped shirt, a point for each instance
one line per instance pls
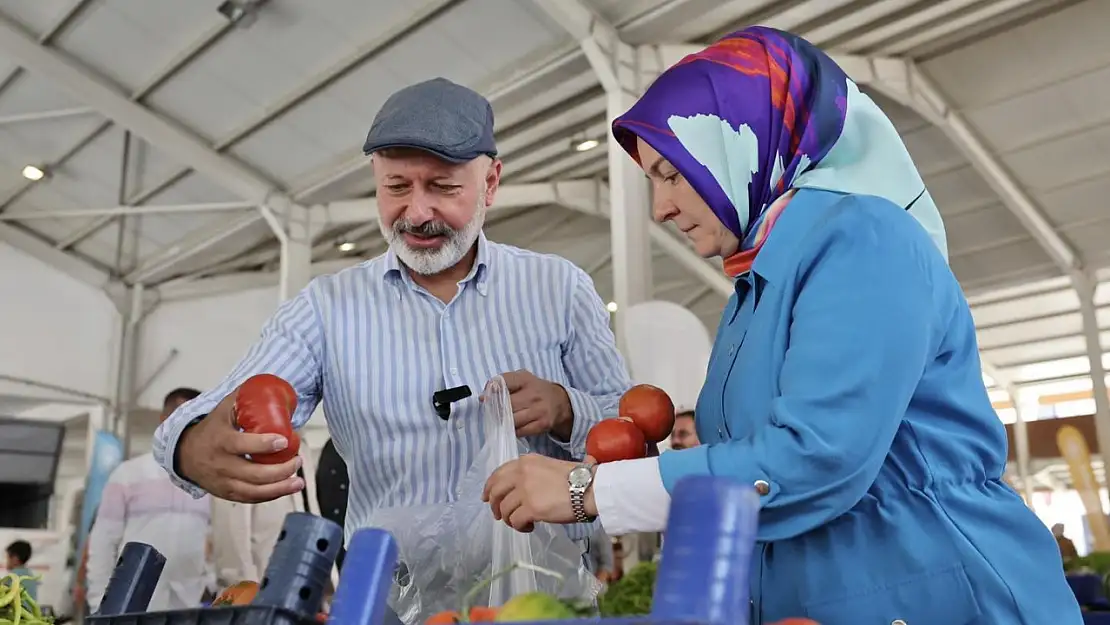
(373, 347)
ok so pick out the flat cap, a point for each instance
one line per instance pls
(438, 116)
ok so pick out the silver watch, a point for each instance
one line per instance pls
(579, 480)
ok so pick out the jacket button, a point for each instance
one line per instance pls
(762, 487)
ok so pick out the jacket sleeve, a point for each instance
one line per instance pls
(864, 324)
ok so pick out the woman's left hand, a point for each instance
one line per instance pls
(532, 489)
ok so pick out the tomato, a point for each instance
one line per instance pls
(321, 617)
(443, 618)
(240, 593)
(264, 405)
(651, 409)
(615, 439)
(482, 614)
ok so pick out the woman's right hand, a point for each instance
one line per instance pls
(211, 454)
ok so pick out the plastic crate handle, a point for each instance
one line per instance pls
(133, 581)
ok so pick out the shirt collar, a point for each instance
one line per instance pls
(393, 271)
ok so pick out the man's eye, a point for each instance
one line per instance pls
(448, 188)
(396, 188)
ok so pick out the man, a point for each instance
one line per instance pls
(684, 435)
(244, 535)
(1067, 547)
(141, 504)
(443, 308)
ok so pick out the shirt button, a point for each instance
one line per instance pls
(897, 621)
(459, 423)
(762, 487)
(454, 371)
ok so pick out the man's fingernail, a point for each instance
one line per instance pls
(299, 462)
(280, 443)
(298, 484)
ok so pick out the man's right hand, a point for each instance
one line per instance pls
(211, 454)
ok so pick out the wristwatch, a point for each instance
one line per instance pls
(580, 479)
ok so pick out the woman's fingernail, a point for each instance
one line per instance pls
(298, 484)
(280, 443)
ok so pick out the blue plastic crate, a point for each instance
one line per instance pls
(702, 578)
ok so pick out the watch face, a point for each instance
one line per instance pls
(580, 477)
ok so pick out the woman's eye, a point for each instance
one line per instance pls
(672, 179)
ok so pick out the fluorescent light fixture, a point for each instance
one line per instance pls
(346, 246)
(611, 307)
(586, 145)
(33, 173)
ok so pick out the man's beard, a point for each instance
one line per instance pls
(428, 262)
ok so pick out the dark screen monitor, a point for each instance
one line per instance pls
(29, 450)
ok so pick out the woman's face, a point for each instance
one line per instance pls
(674, 199)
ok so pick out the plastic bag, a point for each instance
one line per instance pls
(446, 550)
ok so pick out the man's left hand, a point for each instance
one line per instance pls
(539, 406)
(533, 489)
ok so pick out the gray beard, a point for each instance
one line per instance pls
(429, 262)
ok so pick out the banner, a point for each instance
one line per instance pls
(107, 454)
(1074, 449)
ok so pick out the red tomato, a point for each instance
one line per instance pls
(265, 405)
(239, 593)
(616, 439)
(651, 409)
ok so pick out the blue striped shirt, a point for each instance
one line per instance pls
(373, 347)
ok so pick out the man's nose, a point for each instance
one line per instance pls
(420, 210)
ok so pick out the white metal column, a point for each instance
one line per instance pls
(1085, 288)
(1026, 406)
(294, 233)
(616, 65)
(126, 361)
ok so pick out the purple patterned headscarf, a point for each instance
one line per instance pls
(761, 112)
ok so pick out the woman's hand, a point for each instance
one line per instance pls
(533, 489)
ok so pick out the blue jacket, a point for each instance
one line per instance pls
(845, 378)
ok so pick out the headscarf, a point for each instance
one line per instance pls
(762, 112)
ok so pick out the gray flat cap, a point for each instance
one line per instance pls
(437, 116)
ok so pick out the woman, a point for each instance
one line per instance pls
(844, 383)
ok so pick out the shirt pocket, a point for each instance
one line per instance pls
(942, 596)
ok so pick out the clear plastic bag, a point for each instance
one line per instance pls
(447, 549)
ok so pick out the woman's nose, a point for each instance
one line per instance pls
(662, 210)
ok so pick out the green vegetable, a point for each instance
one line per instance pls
(534, 606)
(631, 594)
(16, 606)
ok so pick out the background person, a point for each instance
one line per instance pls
(140, 504)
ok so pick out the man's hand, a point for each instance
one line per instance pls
(211, 454)
(539, 406)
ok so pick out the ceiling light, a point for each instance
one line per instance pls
(611, 307)
(33, 173)
(588, 144)
(346, 246)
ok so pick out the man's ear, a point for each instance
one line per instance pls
(492, 180)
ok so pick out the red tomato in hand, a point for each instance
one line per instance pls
(615, 439)
(265, 405)
(651, 409)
